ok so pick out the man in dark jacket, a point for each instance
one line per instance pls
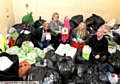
(99, 45)
(42, 36)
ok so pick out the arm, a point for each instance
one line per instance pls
(51, 26)
(90, 42)
(73, 34)
(86, 38)
(61, 24)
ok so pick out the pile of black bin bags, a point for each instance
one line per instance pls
(65, 70)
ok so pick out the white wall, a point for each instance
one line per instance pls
(107, 9)
(6, 9)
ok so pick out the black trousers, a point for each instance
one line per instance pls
(102, 59)
(56, 40)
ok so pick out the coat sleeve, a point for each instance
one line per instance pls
(61, 24)
(72, 35)
(51, 26)
(90, 41)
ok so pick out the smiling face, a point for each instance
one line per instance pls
(81, 26)
(55, 17)
(100, 32)
(46, 26)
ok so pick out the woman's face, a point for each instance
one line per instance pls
(55, 18)
(81, 25)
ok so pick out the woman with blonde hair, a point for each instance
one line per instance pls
(55, 25)
(80, 33)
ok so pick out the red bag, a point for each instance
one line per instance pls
(79, 46)
(11, 42)
(24, 66)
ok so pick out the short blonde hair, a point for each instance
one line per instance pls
(55, 13)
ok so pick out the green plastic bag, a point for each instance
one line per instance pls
(86, 52)
(13, 50)
(31, 57)
(41, 54)
(111, 42)
(27, 46)
(21, 55)
(28, 19)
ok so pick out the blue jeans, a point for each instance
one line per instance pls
(42, 44)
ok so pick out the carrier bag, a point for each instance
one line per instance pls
(77, 45)
(24, 66)
(51, 59)
(51, 77)
(77, 18)
(78, 57)
(11, 73)
(23, 37)
(28, 19)
(86, 52)
(2, 43)
(66, 66)
(39, 23)
(43, 75)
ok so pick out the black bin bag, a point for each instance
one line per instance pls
(22, 37)
(81, 69)
(43, 75)
(79, 59)
(11, 73)
(39, 22)
(77, 18)
(51, 59)
(66, 66)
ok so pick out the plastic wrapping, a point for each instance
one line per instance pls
(66, 66)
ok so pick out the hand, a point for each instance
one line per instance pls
(74, 40)
(48, 40)
(48, 33)
(97, 56)
(58, 32)
(82, 41)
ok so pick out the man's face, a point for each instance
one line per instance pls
(46, 26)
(100, 32)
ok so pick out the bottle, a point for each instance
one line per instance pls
(113, 78)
